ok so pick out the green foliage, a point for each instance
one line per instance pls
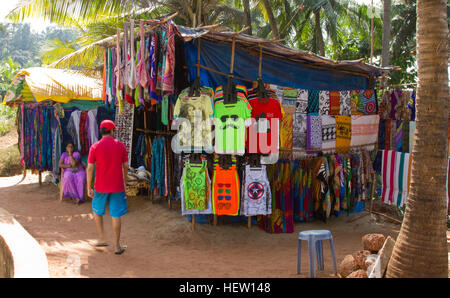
(10, 161)
(7, 119)
(344, 24)
(8, 70)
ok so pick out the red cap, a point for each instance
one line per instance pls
(107, 125)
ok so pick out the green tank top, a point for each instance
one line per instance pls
(195, 186)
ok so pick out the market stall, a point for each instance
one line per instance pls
(54, 107)
(323, 114)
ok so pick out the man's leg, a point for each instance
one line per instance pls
(99, 224)
(98, 209)
(116, 223)
(117, 208)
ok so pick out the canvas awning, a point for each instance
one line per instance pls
(281, 65)
(60, 85)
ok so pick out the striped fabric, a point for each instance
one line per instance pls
(395, 177)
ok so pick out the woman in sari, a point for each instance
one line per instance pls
(73, 176)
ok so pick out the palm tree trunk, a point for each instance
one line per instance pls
(247, 15)
(421, 246)
(319, 35)
(272, 21)
(386, 33)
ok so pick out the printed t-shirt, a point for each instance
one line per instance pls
(198, 111)
(231, 120)
(108, 154)
(256, 193)
(226, 189)
(261, 129)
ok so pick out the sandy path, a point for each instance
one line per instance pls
(160, 242)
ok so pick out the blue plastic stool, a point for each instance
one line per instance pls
(315, 238)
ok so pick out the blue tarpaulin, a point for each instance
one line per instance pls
(276, 71)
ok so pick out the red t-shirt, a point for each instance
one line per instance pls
(269, 110)
(108, 154)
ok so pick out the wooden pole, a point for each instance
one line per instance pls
(215, 219)
(260, 63)
(371, 36)
(233, 47)
(249, 222)
(193, 222)
(40, 178)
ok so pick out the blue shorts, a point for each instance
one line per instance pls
(117, 203)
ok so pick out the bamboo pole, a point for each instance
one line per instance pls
(387, 216)
(327, 149)
(221, 73)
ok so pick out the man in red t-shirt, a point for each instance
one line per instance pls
(111, 160)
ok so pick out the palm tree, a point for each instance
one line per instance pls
(386, 32)
(271, 18)
(421, 246)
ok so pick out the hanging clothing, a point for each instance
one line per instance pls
(195, 133)
(196, 192)
(313, 102)
(226, 194)
(157, 183)
(396, 96)
(302, 102)
(118, 70)
(264, 132)
(73, 128)
(328, 133)
(299, 134)
(324, 102)
(231, 121)
(92, 127)
(287, 127)
(314, 132)
(132, 76)
(144, 76)
(364, 130)
(395, 177)
(84, 141)
(334, 103)
(256, 193)
(169, 69)
(343, 132)
(345, 105)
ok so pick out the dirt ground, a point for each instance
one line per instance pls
(161, 243)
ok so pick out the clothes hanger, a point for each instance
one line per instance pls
(260, 89)
(195, 158)
(225, 161)
(194, 90)
(254, 161)
(229, 92)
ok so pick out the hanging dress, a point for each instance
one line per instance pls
(132, 78)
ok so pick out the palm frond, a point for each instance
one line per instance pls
(64, 12)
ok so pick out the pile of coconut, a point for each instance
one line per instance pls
(369, 262)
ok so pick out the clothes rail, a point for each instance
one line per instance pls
(156, 132)
(327, 149)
